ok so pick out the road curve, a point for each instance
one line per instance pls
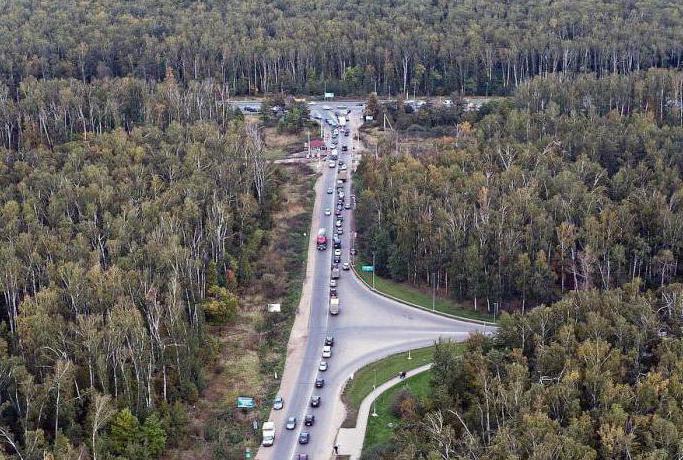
(369, 327)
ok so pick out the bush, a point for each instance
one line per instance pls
(403, 404)
(220, 307)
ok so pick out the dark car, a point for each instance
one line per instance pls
(315, 401)
(329, 340)
(337, 259)
(304, 437)
(302, 457)
(333, 292)
(309, 419)
(344, 148)
(319, 382)
(353, 251)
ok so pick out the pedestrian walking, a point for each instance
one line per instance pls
(336, 449)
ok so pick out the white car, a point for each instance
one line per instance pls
(343, 167)
(341, 194)
(333, 283)
(346, 266)
(327, 351)
(323, 366)
(332, 164)
(328, 211)
(337, 252)
(338, 223)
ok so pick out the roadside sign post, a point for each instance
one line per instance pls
(370, 268)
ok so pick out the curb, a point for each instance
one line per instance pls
(414, 305)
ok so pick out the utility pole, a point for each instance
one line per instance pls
(308, 133)
(373, 286)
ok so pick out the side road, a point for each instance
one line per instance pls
(350, 440)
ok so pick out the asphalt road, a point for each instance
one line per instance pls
(368, 328)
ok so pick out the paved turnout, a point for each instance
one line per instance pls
(368, 328)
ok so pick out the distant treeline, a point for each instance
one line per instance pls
(307, 46)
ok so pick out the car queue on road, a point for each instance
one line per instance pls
(340, 204)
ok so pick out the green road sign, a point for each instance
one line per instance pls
(368, 268)
(245, 403)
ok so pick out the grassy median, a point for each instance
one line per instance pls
(377, 373)
(381, 428)
(413, 295)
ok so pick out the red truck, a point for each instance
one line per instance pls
(321, 239)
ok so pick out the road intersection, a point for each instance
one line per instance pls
(369, 327)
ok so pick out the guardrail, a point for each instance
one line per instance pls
(405, 302)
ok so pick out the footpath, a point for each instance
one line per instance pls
(350, 440)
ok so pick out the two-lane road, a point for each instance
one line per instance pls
(368, 328)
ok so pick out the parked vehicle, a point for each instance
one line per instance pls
(278, 403)
(345, 148)
(268, 432)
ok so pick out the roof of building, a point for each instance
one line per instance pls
(317, 143)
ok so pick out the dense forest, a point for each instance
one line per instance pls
(115, 251)
(595, 375)
(308, 46)
(565, 186)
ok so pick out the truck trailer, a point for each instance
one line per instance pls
(334, 306)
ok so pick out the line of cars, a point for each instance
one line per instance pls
(309, 418)
(328, 344)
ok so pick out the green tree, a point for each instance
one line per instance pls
(123, 432)
(153, 436)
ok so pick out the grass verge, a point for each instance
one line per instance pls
(413, 295)
(377, 373)
(380, 429)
